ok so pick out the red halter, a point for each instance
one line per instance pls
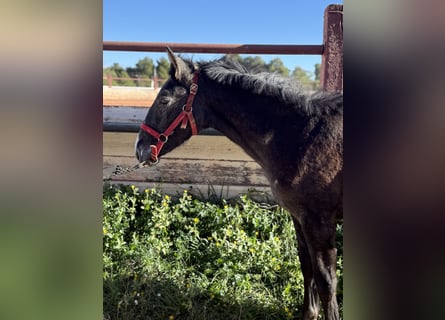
(185, 116)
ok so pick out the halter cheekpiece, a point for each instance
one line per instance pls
(185, 116)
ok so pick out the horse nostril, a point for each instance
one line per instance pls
(138, 152)
(137, 148)
(141, 153)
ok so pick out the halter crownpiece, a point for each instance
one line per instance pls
(185, 116)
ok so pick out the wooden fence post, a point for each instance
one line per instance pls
(331, 77)
(110, 80)
(155, 79)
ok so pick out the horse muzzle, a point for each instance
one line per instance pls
(145, 157)
(154, 156)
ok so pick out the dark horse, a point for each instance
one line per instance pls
(296, 138)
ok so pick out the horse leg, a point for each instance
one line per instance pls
(319, 233)
(311, 303)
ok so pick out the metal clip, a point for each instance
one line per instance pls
(193, 89)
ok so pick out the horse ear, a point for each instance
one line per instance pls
(180, 68)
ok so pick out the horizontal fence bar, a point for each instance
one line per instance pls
(134, 127)
(135, 79)
(282, 49)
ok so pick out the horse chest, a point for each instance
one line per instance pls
(308, 190)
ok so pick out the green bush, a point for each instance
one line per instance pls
(192, 259)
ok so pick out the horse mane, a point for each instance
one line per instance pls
(287, 91)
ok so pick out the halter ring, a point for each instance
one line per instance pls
(184, 108)
(163, 138)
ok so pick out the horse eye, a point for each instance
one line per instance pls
(164, 100)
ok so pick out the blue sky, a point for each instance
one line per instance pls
(205, 21)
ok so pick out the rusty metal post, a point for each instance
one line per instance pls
(109, 80)
(331, 75)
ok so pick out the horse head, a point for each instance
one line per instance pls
(170, 120)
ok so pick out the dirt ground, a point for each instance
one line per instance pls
(128, 96)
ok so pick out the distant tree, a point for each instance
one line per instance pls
(133, 72)
(146, 66)
(109, 72)
(277, 66)
(126, 82)
(116, 67)
(317, 71)
(255, 64)
(162, 68)
(305, 78)
(144, 69)
(235, 57)
(117, 71)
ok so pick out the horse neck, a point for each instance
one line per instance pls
(245, 118)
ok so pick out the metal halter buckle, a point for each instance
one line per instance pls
(193, 88)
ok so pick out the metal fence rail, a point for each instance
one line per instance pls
(214, 48)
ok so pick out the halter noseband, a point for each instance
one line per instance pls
(185, 116)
